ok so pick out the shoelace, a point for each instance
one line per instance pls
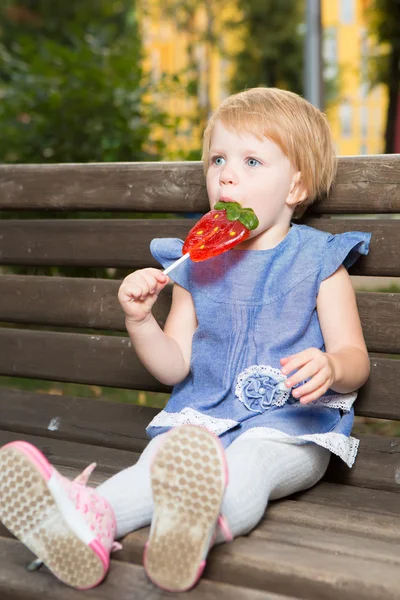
(81, 479)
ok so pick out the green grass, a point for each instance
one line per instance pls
(156, 400)
(393, 288)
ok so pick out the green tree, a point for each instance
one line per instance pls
(384, 20)
(71, 84)
(272, 53)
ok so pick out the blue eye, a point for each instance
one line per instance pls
(218, 160)
(253, 162)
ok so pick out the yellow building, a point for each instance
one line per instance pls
(175, 44)
(357, 115)
(173, 40)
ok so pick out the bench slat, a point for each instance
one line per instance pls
(83, 420)
(74, 455)
(125, 242)
(342, 542)
(111, 361)
(74, 357)
(68, 302)
(377, 464)
(124, 581)
(348, 497)
(295, 565)
(331, 518)
(372, 183)
(93, 303)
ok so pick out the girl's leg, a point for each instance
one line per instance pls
(129, 492)
(262, 470)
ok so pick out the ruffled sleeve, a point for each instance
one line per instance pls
(166, 251)
(343, 249)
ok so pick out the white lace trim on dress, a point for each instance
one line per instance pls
(189, 416)
(342, 401)
(341, 445)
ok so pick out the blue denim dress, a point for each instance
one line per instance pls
(254, 307)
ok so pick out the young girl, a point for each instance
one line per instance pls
(264, 348)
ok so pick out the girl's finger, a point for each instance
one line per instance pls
(311, 386)
(314, 395)
(298, 360)
(131, 292)
(309, 370)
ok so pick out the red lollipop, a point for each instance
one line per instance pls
(217, 231)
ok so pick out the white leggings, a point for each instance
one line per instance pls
(259, 470)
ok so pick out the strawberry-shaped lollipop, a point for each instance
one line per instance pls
(217, 231)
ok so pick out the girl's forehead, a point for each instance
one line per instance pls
(223, 134)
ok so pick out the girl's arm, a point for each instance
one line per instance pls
(344, 366)
(341, 329)
(166, 354)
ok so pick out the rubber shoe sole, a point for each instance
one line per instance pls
(29, 510)
(188, 477)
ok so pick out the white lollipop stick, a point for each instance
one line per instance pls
(176, 263)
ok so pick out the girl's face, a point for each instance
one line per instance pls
(255, 173)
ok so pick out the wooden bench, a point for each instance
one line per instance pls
(340, 539)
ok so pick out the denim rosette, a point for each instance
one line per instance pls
(260, 387)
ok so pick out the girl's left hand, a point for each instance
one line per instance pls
(311, 363)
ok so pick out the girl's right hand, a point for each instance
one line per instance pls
(139, 291)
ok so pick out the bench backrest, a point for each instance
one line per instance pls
(45, 306)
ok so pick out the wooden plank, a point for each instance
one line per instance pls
(124, 581)
(370, 182)
(125, 242)
(68, 302)
(312, 574)
(377, 465)
(73, 455)
(331, 519)
(350, 498)
(378, 397)
(80, 358)
(342, 543)
(288, 567)
(111, 361)
(380, 318)
(83, 420)
(93, 303)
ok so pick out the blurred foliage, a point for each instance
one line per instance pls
(71, 84)
(72, 90)
(384, 65)
(273, 52)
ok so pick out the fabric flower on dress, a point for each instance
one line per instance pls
(260, 387)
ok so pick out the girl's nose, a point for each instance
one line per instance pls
(227, 176)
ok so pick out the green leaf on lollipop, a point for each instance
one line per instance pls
(248, 218)
(234, 212)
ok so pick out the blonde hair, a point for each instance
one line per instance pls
(300, 130)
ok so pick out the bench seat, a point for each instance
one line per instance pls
(341, 538)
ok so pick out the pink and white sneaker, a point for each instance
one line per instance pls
(188, 475)
(67, 525)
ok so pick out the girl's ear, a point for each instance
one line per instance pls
(297, 192)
